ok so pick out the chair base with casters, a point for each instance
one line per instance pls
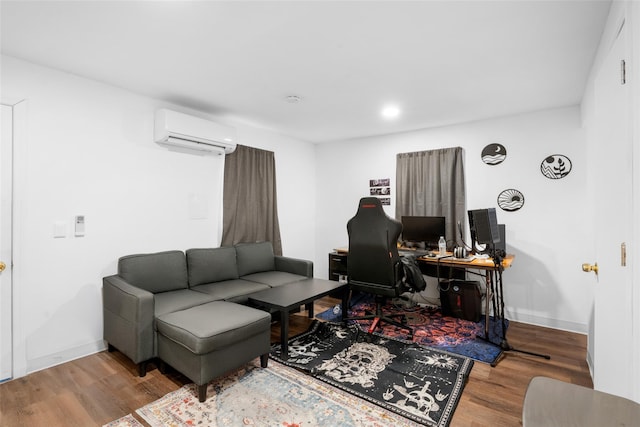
(379, 318)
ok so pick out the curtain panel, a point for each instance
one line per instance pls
(431, 183)
(249, 208)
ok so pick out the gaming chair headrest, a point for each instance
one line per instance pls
(371, 214)
(370, 205)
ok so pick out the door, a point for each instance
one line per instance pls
(6, 143)
(611, 162)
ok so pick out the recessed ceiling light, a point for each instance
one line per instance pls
(292, 99)
(390, 112)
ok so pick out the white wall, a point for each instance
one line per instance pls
(548, 235)
(89, 151)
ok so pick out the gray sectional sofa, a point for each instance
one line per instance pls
(151, 287)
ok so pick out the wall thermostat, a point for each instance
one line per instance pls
(79, 224)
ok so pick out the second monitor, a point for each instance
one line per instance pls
(427, 229)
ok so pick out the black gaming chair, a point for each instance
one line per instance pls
(373, 264)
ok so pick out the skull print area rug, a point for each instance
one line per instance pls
(417, 382)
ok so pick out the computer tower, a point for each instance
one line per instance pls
(461, 299)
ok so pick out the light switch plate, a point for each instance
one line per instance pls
(197, 206)
(60, 229)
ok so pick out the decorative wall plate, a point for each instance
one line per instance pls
(555, 166)
(510, 200)
(494, 154)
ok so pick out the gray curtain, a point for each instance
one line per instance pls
(250, 211)
(431, 183)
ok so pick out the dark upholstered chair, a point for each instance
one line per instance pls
(553, 403)
(373, 265)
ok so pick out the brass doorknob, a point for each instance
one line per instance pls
(2, 266)
(586, 267)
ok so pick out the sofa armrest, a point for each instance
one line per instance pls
(128, 318)
(302, 267)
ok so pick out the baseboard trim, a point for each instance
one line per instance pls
(48, 361)
(590, 364)
(564, 325)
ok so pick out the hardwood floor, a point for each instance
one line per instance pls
(100, 388)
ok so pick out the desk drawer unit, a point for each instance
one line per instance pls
(337, 266)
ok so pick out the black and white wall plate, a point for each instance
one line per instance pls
(494, 154)
(555, 166)
(510, 200)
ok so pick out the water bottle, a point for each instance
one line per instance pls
(442, 246)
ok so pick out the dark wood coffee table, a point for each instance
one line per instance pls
(288, 297)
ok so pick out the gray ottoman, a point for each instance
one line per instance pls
(209, 340)
(552, 403)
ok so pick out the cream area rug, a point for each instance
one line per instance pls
(275, 396)
(126, 421)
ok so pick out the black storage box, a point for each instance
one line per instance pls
(461, 299)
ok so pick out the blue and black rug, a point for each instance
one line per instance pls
(419, 383)
(432, 329)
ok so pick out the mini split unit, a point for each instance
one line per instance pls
(181, 131)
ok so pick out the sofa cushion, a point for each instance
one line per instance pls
(156, 272)
(254, 258)
(274, 278)
(211, 265)
(233, 290)
(212, 326)
(167, 302)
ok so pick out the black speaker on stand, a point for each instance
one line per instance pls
(484, 227)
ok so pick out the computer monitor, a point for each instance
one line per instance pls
(483, 225)
(427, 229)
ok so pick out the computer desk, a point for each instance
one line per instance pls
(432, 266)
(493, 280)
(493, 276)
(492, 271)
(477, 263)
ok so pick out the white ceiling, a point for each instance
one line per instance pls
(442, 62)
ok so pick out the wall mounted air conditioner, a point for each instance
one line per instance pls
(182, 131)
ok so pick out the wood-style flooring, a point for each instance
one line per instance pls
(100, 388)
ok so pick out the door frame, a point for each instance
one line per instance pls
(19, 351)
(6, 225)
(633, 254)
